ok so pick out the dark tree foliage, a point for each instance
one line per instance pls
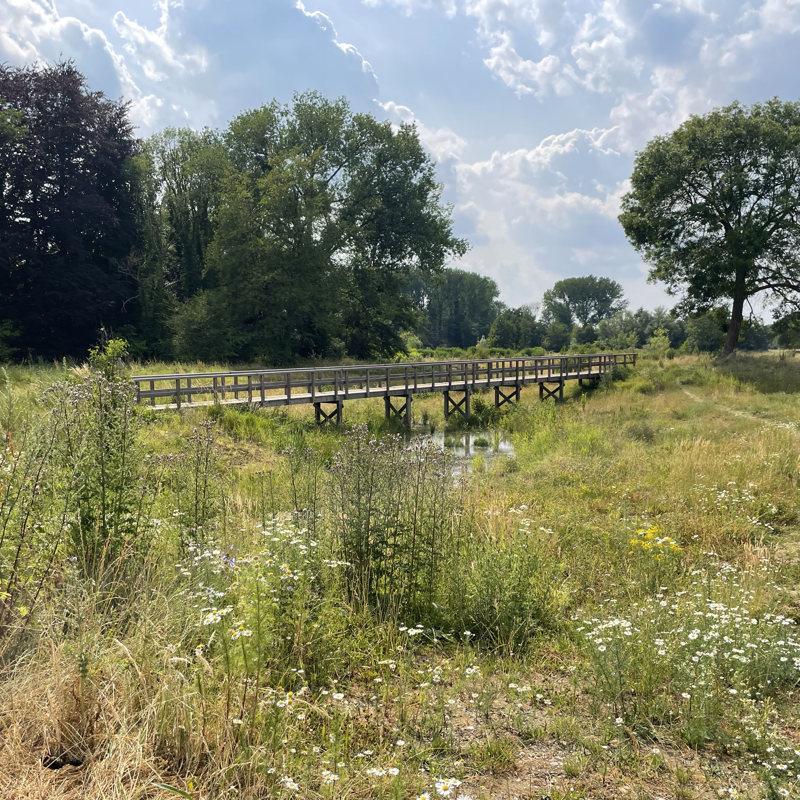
(67, 222)
(180, 183)
(787, 330)
(714, 208)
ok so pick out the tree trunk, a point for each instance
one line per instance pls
(743, 266)
(737, 313)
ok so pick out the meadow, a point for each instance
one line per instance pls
(232, 603)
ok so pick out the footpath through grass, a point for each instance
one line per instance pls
(234, 603)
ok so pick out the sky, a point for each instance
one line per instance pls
(532, 109)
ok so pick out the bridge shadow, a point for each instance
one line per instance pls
(769, 373)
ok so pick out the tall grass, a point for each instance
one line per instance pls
(233, 603)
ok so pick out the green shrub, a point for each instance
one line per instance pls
(392, 506)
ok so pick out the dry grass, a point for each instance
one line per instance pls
(709, 457)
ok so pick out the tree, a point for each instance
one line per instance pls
(582, 301)
(391, 222)
(787, 330)
(620, 332)
(516, 328)
(67, 218)
(457, 307)
(706, 332)
(320, 217)
(714, 208)
(557, 336)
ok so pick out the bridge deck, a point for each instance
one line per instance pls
(282, 387)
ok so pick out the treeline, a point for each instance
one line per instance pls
(299, 232)
(294, 233)
(462, 310)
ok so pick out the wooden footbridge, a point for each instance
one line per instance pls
(327, 388)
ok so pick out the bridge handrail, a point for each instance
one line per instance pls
(336, 383)
(390, 365)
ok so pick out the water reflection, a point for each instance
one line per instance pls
(463, 446)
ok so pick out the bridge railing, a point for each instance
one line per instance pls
(274, 387)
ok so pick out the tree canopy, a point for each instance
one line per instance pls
(291, 234)
(294, 232)
(67, 221)
(516, 328)
(582, 301)
(457, 307)
(714, 208)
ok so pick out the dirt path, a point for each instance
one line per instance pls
(785, 426)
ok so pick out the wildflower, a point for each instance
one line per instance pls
(329, 778)
(337, 696)
(400, 743)
(445, 786)
(289, 783)
(240, 630)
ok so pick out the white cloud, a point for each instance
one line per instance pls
(154, 53)
(442, 143)
(512, 165)
(524, 76)
(325, 22)
(546, 100)
(782, 16)
(601, 50)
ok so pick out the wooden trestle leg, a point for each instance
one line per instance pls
(334, 417)
(557, 392)
(462, 406)
(403, 412)
(506, 394)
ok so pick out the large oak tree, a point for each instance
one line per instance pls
(714, 208)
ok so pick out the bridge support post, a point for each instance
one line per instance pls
(402, 412)
(333, 417)
(557, 391)
(461, 406)
(506, 394)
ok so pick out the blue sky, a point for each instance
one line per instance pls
(532, 109)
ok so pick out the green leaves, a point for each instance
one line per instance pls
(583, 301)
(714, 207)
(319, 219)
